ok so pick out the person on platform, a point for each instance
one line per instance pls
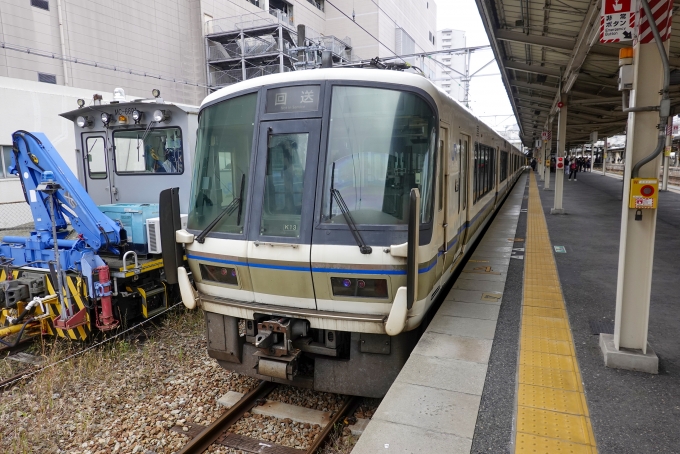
(573, 168)
(533, 164)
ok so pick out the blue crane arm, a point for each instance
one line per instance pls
(33, 155)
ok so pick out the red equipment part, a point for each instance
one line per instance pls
(106, 321)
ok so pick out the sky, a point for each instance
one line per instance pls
(488, 97)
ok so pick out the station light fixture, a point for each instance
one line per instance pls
(161, 115)
(84, 121)
(136, 116)
(626, 56)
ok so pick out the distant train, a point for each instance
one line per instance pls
(328, 209)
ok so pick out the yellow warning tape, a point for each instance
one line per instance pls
(552, 412)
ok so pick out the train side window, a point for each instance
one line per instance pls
(158, 151)
(96, 157)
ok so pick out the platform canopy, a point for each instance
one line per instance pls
(537, 43)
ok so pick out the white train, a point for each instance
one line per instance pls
(328, 208)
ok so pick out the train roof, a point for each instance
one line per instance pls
(356, 74)
(345, 74)
(141, 103)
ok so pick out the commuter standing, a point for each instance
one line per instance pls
(573, 168)
(533, 164)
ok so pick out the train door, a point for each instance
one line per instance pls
(282, 213)
(453, 217)
(463, 194)
(443, 201)
(96, 167)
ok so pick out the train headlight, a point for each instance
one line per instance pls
(161, 115)
(136, 116)
(106, 118)
(84, 121)
(362, 288)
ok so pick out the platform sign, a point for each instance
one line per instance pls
(617, 21)
(560, 162)
(546, 136)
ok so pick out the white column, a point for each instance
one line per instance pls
(561, 146)
(540, 154)
(636, 254)
(604, 158)
(546, 157)
(667, 158)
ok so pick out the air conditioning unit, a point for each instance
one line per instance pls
(153, 232)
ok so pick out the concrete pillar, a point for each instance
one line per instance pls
(667, 154)
(593, 139)
(604, 157)
(636, 253)
(540, 155)
(561, 147)
(546, 157)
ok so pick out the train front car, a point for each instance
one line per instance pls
(299, 221)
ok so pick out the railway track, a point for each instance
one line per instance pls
(217, 432)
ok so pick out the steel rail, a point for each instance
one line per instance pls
(351, 403)
(210, 434)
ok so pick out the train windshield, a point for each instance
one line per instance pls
(381, 144)
(223, 149)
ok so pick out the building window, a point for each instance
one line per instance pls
(6, 161)
(317, 3)
(42, 4)
(47, 78)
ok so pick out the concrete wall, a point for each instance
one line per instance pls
(156, 37)
(35, 107)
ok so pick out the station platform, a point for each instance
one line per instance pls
(511, 362)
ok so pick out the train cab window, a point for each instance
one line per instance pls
(222, 165)
(282, 207)
(96, 157)
(156, 151)
(381, 144)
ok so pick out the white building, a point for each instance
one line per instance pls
(449, 75)
(40, 77)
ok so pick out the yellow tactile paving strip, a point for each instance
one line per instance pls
(552, 413)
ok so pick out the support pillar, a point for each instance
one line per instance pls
(604, 157)
(243, 56)
(593, 140)
(667, 154)
(541, 160)
(628, 347)
(546, 176)
(561, 146)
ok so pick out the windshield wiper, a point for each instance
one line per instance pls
(227, 211)
(365, 249)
